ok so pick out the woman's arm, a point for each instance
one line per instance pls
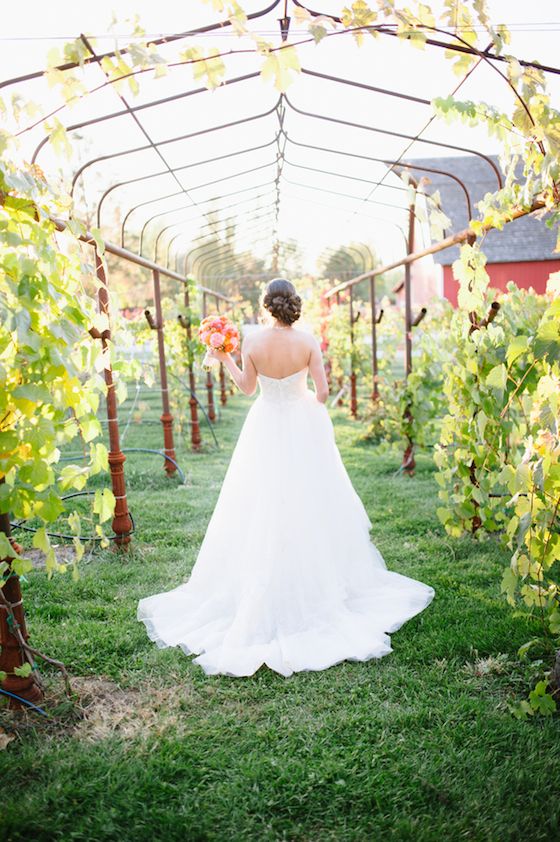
(317, 372)
(246, 378)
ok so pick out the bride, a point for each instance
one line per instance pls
(286, 575)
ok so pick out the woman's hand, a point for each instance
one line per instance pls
(218, 355)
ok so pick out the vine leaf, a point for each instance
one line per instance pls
(282, 67)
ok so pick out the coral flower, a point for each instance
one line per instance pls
(217, 340)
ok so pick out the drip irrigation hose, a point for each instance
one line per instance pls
(159, 453)
(132, 408)
(70, 456)
(86, 539)
(201, 406)
(26, 701)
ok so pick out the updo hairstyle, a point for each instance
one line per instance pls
(282, 301)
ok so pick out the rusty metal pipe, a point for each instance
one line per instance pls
(122, 523)
(418, 318)
(166, 416)
(12, 654)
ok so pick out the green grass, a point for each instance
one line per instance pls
(420, 745)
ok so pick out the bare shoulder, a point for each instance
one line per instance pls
(309, 339)
(250, 337)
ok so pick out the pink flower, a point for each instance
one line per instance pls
(217, 339)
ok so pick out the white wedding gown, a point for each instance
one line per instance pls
(286, 575)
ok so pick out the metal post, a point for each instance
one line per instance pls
(209, 378)
(374, 366)
(353, 394)
(196, 441)
(408, 462)
(166, 417)
(326, 302)
(340, 401)
(11, 654)
(122, 523)
(223, 391)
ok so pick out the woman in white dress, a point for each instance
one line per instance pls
(286, 575)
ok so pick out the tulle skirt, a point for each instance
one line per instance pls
(287, 574)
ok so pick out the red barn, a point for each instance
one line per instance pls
(523, 251)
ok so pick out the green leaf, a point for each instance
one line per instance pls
(541, 701)
(104, 504)
(90, 428)
(517, 346)
(25, 670)
(497, 377)
(281, 66)
(509, 585)
(21, 566)
(547, 343)
(554, 621)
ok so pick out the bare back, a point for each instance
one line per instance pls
(280, 352)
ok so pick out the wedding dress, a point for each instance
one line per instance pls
(286, 575)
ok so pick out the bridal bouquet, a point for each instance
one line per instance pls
(220, 333)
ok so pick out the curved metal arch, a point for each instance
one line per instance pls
(181, 234)
(348, 250)
(340, 210)
(216, 209)
(166, 228)
(215, 256)
(345, 195)
(457, 48)
(197, 187)
(219, 261)
(168, 39)
(227, 243)
(364, 86)
(344, 175)
(402, 164)
(403, 136)
(355, 250)
(133, 109)
(211, 265)
(186, 207)
(259, 217)
(169, 140)
(174, 170)
(223, 250)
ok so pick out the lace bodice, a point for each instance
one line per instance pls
(281, 389)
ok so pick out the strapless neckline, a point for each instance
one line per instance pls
(266, 377)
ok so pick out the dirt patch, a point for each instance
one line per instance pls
(128, 712)
(103, 709)
(65, 554)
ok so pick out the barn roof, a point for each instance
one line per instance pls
(527, 238)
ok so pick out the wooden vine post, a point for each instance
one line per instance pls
(223, 391)
(353, 390)
(12, 620)
(408, 461)
(209, 378)
(196, 441)
(375, 319)
(166, 418)
(326, 309)
(122, 522)
(340, 382)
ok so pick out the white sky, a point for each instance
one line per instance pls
(318, 219)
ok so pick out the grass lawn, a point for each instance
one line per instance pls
(420, 745)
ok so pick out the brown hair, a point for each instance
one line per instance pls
(282, 301)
